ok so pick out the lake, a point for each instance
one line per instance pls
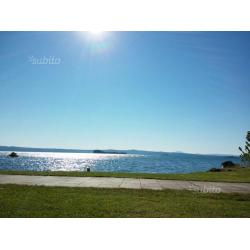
(148, 163)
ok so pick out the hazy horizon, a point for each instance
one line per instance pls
(154, 91)
(115, 149)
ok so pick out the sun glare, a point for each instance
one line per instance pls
(96, 32)
(97, 35)
(98, 41)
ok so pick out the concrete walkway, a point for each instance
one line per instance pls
(111, 182)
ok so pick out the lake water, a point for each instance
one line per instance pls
(150, 163)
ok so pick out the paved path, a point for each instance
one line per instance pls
(111, 182)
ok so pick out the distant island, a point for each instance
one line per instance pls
(97, 151)
(106, 151)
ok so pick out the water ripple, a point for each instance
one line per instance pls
(155, 163)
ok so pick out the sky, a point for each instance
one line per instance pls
(161, 91)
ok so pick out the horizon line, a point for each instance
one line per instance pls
(154, 151)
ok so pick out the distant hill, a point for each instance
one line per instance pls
(63, 150)
(29, 149)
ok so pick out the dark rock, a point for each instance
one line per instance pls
(13, 154)
(228, 164)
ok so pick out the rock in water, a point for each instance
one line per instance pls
(13, 154)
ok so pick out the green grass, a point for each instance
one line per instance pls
(237, 175)
(32, 201)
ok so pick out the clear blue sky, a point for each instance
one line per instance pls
(185, 91)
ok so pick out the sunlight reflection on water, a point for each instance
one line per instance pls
(155, 163)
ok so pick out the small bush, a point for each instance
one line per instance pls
(245, 154)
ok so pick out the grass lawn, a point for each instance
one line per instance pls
(237, 175)
(31, 201)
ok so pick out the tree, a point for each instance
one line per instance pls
(245, 154)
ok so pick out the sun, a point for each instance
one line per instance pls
(96, 32)
(97, 35)
(97, 41)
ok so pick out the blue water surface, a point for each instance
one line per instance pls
(150, 163)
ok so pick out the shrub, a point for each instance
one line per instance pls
(245, 154)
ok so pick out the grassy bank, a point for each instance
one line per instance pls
(237, 175)
(27, 201)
